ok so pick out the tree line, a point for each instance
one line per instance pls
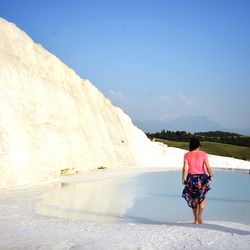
(212, 136)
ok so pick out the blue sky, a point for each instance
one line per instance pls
(155, 59)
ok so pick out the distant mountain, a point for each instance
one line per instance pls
(189, 124)
(241, 131)
(182, 123)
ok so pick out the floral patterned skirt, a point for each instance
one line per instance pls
(196, 188)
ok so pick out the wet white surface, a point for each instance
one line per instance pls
(21, 227)
(147, 198)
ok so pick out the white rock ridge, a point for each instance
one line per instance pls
(51, 119)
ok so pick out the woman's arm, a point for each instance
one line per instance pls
(184, 171)
(208, 167)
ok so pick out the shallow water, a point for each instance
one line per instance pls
(148, 198)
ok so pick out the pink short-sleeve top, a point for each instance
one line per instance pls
(196, 161)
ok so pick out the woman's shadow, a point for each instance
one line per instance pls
(188, 224)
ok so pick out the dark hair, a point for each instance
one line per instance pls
(194, 144)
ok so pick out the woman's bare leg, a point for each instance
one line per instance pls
(196, 215)
(201, 208)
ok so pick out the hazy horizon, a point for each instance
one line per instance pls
(157, 60)
(192, 124)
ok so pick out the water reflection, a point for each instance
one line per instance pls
(104, 200)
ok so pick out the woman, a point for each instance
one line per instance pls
(197, 182)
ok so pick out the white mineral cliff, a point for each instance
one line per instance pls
(51, 119)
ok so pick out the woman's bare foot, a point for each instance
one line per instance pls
(200, 220)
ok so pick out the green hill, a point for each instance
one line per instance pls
(211, 136)
(214, 148)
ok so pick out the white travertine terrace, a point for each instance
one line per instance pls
(51, 119)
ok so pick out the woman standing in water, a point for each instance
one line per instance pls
(195, 179)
